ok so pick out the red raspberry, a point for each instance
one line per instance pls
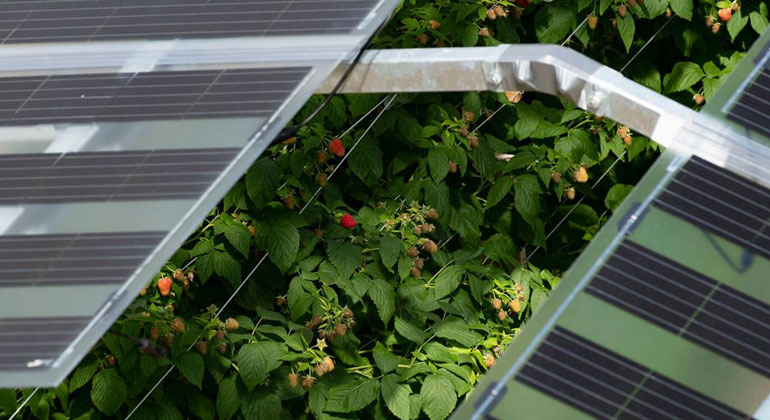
(347, 221)
(725, 14)
(336, 147)
(164, 285)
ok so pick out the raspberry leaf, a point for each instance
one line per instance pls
(108, 391)
(438, 397)
(351, 397)
(396, 396)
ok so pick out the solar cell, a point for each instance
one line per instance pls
(24, 21)
(606, 385)
(752, 109)
(687, 303)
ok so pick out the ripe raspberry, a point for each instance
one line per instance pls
(178, 325)
(293, 380)
(709, 21)
(491, 15)
(111, 360)
(570, 193)
(489, 360)
(715, 28)
(581, 175)
(222, 348)
(341, 329)
(347, 221)
(432, 214)
(307, 383)
(419, 263)
(725, 14)
(499, 11)
(502, 316)
(336, 147)
(434, 24)
(556, 177)
(232, 324)
(422, 39)
(496, 303)
(178, 274)
(698, 99)
(452, 167)
(622, 10)
(593, 21)
(288, 201)
(154, 333)
(322, 157)
(473, 141)
(430, 247)
(322, 179)
(514, 96)
(328, 364)
(203, 347)
(416, 272)
(515, 306)
(280, 301)
(164, 285)
(484, 33)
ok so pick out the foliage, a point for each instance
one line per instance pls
(401, 315)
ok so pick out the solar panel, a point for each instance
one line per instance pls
(121, 125)
(752, 109)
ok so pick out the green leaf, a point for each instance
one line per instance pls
(390, 250)
(682, 76)
(759, 18)
(346, 257)
(351, 397)
(457, 330)
(626, 28)
(527, 122)
(410, 128)
(299, 298)
(384, 297)
(472, 102)
(239, 237)
(108, 391)
(409, 331)
(83, 373)
(438, 397)
(683, 8)
(256, 360)
(281, 240)
(470, 36)
(362, 103)
(192, 366)
(228, 400)
(736, 24)
(527, 197)
(201, 406)
(261, 405)
(262, 180)
(448, 280)
(226, 266)
(554, 21)
(499, 190)
(366, 160)
(396, 396)
(384, 359)
(616, 194)
(8, 401)
(438, 161)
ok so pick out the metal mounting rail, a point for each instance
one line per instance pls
(563, 72)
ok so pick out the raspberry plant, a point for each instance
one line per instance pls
(414, 268)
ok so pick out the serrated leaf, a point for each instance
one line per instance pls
(192, 366)
(448, 280)
(736, 24)
(409, 331)
(627, 29)
(8, 400)
(281, 241)
(298, 298)
(457, 330)
(390, 250)
(682, 76)
(345, 257)
(256, 360)
(472, 102)
(366, 160)
(438, 397)
(83, 373)
(527, 197)
(362, 103)
(616, 194)
(683, 8)
(384, 297)
(396, 396)
(262, 180)
(351, 397)
(226, 266)
(228, 400)
(759, 19)
(108, 391)
(203, 246)
(261, 405)
(384, 359)
(470, 36)
(238, 236)
(438, 162)
(553, 23)
(527, 122)
(201, 406)
(499, 190)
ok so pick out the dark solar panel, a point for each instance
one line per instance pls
(25, 340)
(686, 303)
(145, 96)
(608, 386)
(70, 259)
(722, 203)
(110, 176)
(100, 20)
(752, 110)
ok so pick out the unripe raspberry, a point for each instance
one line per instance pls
(417, 230)
(496, 303)
(322, 179)
(669, 13)
(341, 329)
(519, 287)
(715, 28)
(515, 306)
(178, 274)
(698, 99)
(322, 157)
(168, 339)
(622, 10)
(317, 320)
(111, 360)
(307, 383)
(432, 214)
(491, 15)
(220, 335)
(556, 177)
(473, 141)
(415, 272)
(489, 360)
(232, 324)
(581, 175)
(434, 24)
(570, 193)
(514, 96)
(328, 364)
(452, 167)
(289, 141)
(280, 301)
(203, 347)
(709, 21)
(318, 233)
(252, 230)
(464, 131)
(593, 21)
(419, 263)
(348, 313)
(429, 247)
(632, 3)
(422, 39)
(499, 11)
(293, 380)
(428, 228)
(484, 32)
(222, 348)
(439, 44)
(288, 201)
(178, 325)
(502, 315)
(143, 292)
(319, 370)
(412, 252)
(154, 333)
